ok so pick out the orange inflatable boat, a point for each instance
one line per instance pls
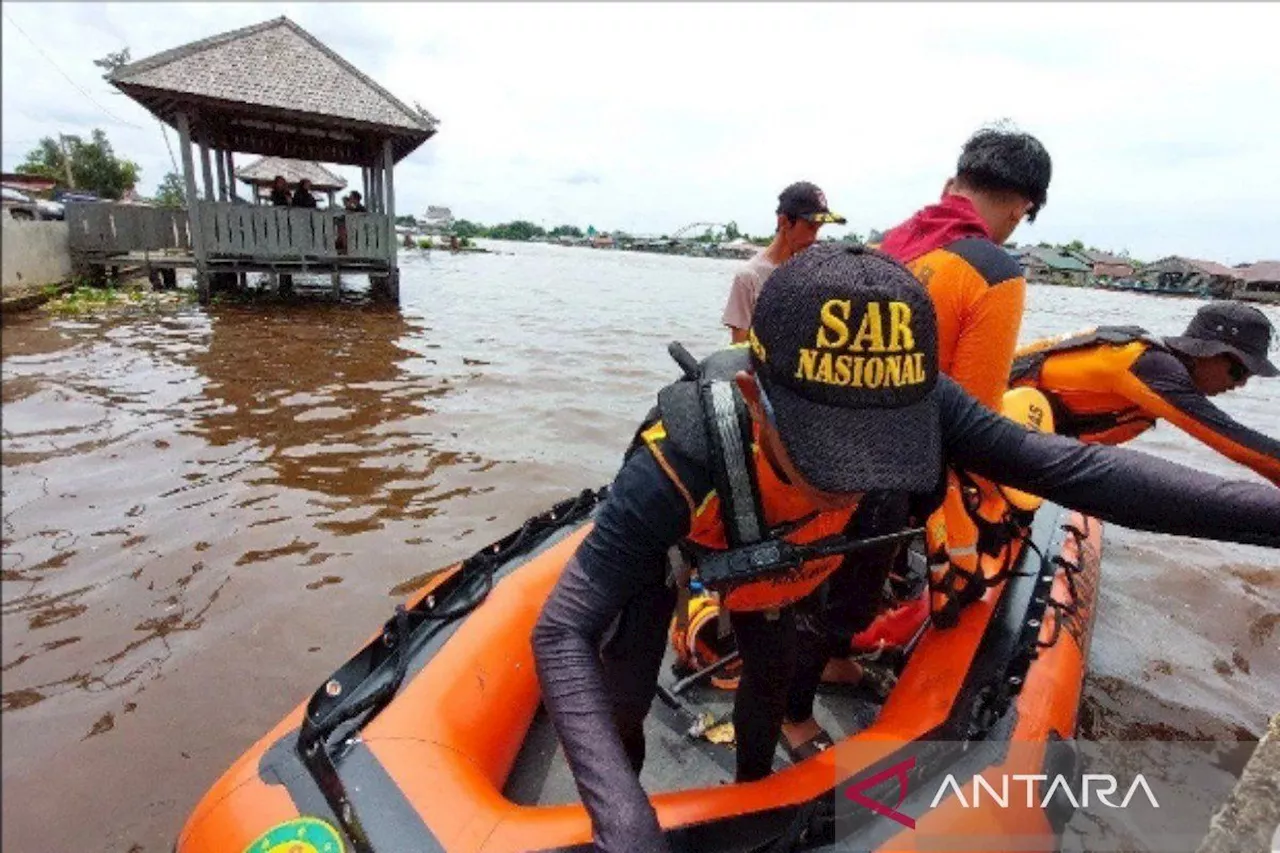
(431, 737)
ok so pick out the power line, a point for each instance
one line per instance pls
(49, 59)
(172, 159)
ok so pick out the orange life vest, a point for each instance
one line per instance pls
(1082, 406)
(783, 507)
(704, 417)
(979, 517)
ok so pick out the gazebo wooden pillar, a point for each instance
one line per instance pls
(332, 114)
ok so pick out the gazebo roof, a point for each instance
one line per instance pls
(275, 89)
(264, 170)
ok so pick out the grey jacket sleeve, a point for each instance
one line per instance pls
(1122, 486)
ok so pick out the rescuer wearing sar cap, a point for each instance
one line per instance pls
(841, 420)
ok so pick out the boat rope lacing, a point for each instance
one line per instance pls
(369, 681)
(998, 697)
(1071, 568)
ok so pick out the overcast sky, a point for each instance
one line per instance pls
(1162, 120)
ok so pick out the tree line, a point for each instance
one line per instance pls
(76, 163)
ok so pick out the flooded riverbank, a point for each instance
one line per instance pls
(206, 510)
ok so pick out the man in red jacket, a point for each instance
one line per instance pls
(954, 249)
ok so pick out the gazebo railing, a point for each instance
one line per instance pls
(110, 229)
(231, 232)
(279, 233)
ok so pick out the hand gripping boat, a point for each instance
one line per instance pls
(431, 737)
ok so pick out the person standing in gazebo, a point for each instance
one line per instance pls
(302, 196)
(280, 192)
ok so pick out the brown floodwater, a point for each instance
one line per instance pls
(206, 510)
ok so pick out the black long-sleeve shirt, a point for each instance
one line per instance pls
(1167, 380)
(645, 515)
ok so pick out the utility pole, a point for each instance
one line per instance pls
(66, 161)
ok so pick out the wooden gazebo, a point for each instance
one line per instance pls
(261, 173)
(271, 89)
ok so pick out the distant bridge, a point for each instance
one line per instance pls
(699, 227)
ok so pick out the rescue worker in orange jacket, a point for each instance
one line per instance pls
(833, 420)
(1110, 384)
(954, 249)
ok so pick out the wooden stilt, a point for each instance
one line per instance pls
(207, 168)
(393, 246)
(220, 159)
(231, 177)
(193, 209)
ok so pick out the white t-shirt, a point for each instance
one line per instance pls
(746, 289)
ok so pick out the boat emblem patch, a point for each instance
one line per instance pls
(300, 835)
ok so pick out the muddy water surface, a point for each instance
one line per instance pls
(206, 510)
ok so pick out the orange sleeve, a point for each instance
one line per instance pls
(978, 293)
(987, 338)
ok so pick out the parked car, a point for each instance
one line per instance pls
(51, 209)
(64, 196)
(19, 205)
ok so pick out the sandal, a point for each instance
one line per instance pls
(814, 745)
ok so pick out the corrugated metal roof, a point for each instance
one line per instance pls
(264, 170)
(1213, 268)
(1261, 271)
(272, 64)
(1054, 259)
(1105, 257)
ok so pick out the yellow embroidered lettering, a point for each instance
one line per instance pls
(844, 367)
(870, 337)
(909, 376)
(874, 374)
(804, 370)
(900, 334)
(824, 368)
(835, 314)
(893, 370)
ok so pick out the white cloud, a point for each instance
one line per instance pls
(648, 117)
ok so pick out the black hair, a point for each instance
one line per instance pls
(1003, 161)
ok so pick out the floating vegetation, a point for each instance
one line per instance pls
(86, 298)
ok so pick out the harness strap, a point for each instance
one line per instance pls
(732, 471)
(679, 578)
